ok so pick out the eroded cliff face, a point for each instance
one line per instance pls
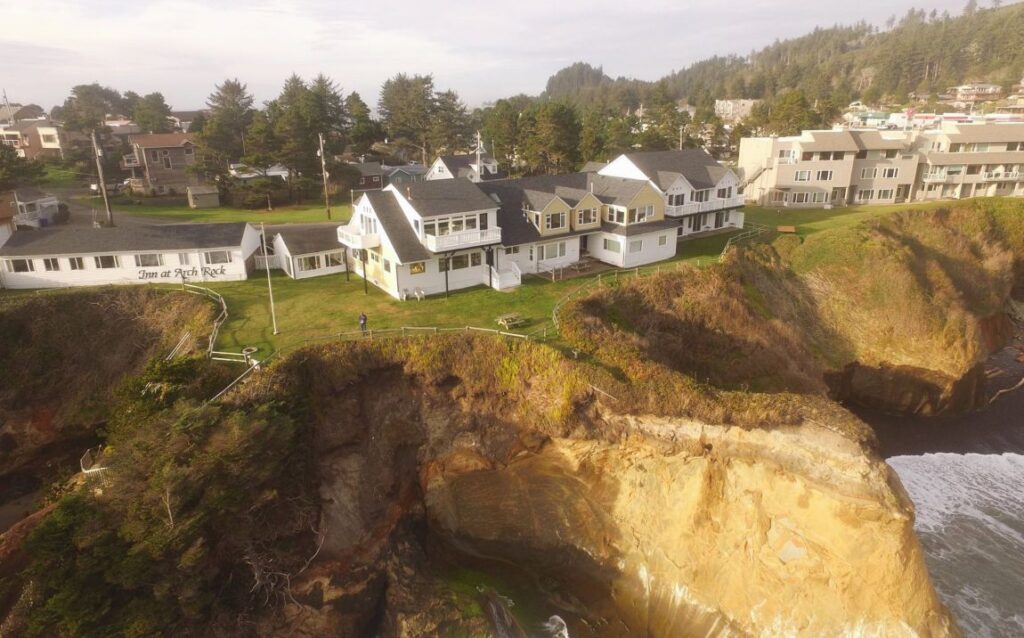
(707, 530)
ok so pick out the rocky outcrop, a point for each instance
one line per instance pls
(691, 529)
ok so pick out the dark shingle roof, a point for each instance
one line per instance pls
(516, 228)
(408, 169)
(664, 167)
(460, 165)
(305, 239)
(161, 140)
(396, 226)
(368, 169)
(120, 239)
(632, 230)
(446, 196)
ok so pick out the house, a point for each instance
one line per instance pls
(7, 211)
(445, 234)
(11, 113)
(733, 111)
(975, 92)
(306, 250)
(840, 167)
(699, 193)
(182, 120)
(245, 173)
(477, 166)
(399, 175)
(203, 196)
(371, 175)
(427, 237)
(130, 254)
(36, 139)
(159, 163)
(34, 208)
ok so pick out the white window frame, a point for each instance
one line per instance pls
(76, 263)
(27, 265)
(97, 260)
(802, 176)
(51, 264)
(612, 245)
(824, 176)
(211, 257)
(155, 260)
(890, 172)
(868, 173)
(636, 246)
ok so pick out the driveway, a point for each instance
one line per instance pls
(81, 214)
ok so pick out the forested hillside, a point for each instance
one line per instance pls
(922, 52)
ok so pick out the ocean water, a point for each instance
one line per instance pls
(970, 519)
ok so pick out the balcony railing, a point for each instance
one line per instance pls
(787, 160)
(1002, 176)
(935, 177)
(463, 239)
(704, 207)
(130, 161)
(354, 237)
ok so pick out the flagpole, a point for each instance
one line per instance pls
(270, 288)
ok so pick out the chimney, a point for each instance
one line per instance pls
(408, 193)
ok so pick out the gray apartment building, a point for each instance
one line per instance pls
(844, 167)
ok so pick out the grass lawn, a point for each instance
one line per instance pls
(60, 177)
(812, 220)
(179, 211)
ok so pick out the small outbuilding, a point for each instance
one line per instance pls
(308, 250)
(203, 196)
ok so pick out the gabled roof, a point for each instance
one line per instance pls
(396, 226)
(409, 169)
(664, 167)
(516, 228)
(368, 169)
(462, 165)
(593, 167)
(446, 196)
(28, 125)
(123, 239)
(161, 140)
(306, 239)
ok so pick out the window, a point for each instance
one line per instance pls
(1015, 146)
(778, 196)
(825, 155)
(680, 199)
(106, 261)
(76, 263)
(974, 169)
(885, 193)
(807, 157)
(51, 264)
(217, 257)
(725, 193)
(49, 139)
(616, 215)
(586, 216)
(305, 264)
(864, 196)
(184, 260)
(375, 257)
(551, 251)
(802, 176)
(801, 198)
(416, 225)
(890, 154)
(819, 197)
(387, 265)
(662, 240)
(612, 246)
(955, 148)
(700, 196)
(554, 221)
(188, 150)
(334, 259)
(417, 268)
(890, 173)
(824, 176)
(470, 223)
(636, 245)
(149, 261)
(474, 259)
(862, 155)
(838, 155)
(20, 265)
(512, 250)
(458, 262)
(868, 173)
(641, 214)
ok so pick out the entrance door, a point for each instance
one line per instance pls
(838, 196)
(719, 219)
(583, 244)
(902, 193)
(489, 256)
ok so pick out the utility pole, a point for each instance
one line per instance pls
(323, 169)
(103, 182)
(680, 138)
(270, 288)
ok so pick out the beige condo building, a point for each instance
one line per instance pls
(844, 167)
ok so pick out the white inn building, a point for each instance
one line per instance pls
(843, 167)
(440, 235)
(171, 253)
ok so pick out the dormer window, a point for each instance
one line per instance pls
(554, 221)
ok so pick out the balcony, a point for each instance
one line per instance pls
(354, 237)
(704, 207)
(999, 176)
(935, 178)
(787, 160)
(130, 161)
(463, 239)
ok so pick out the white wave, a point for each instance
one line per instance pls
(970, 518)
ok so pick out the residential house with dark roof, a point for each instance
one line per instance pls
(698, 191)
(159, 163)
(405, 174)
(129, 254)
(371, 175)
(477, 166)
(306, 250)
(34, 208)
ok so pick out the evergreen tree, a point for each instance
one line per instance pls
(449, 124)
(221, 140)
(17, 171)
(364, 131)
(551, 138)
(326, 114)
(297, 142)
(405, 107)
(150, 113)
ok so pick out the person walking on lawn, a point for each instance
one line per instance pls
(362, 322)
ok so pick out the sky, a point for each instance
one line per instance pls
(482, 50)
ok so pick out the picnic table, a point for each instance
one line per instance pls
(511, 320)
(786, 229)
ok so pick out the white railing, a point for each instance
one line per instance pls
(999, 175)
(505, 278)
(221, 318)
(273, 260)
(786, 160)
(354, 237)
(704, 207)
(934, 177)
(130, 161)
(752, 230)
(462, 239)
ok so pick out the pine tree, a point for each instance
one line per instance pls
(449, 124)
(221, 139)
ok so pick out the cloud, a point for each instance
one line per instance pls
(482, 50)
